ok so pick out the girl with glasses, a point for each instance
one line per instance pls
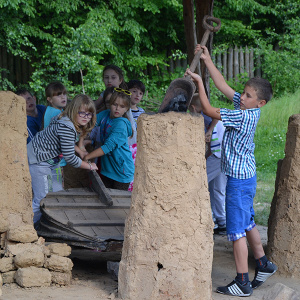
(59, 137)
(117, 167)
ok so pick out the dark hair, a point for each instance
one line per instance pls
(55, 88)
(109, 90)
(134, 83)
(22, 91)
(262, 87)
(119, 71)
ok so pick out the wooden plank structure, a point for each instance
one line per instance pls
(92, 217)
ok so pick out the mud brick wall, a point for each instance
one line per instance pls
(168, 247)
(284, 220)
(15, 181)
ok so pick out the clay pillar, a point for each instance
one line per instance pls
(284, 220)
(15, 182)
(168, 247)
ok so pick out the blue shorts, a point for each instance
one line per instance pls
(239, 206)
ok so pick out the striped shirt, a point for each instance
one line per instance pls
(237, 158)
(216, 139)
(58, 138)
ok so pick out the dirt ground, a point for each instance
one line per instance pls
(92, 281)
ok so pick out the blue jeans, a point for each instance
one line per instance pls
(239, 206)
(45, 178)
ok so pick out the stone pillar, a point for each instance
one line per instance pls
(15, 182)
(168, 246)
(284, 220)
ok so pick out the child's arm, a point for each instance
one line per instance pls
(206, 107)
(96, 153)
(210, 130)
(215, 74)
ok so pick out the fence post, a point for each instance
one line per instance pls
(258, 66)
(230, 63)
(247, 64)
(242, 62)
(225, 64)
(236, 62)
(251, 63)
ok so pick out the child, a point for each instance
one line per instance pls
(137, 90)
(216, 179)
(59, 137)
(117, 166)
(35, 113)
(56, 95)
(238, 163)
(112, 77)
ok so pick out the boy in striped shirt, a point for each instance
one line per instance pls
(238, 164)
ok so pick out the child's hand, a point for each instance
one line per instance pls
(205, 54)
(93, 166)
(208, 135)
(195, 77)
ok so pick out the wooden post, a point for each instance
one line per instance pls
(236, 62)
(225, 74)
(242, 62)
(251, 66)
(247, 63)
(230, 63)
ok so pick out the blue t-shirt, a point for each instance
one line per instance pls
(34, 123)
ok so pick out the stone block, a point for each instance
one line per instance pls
(22, 234)
(59, 249)
(4, 225)
(7, 264)
(31, 257)
(14, 249)
(1, 280)
(32, 276)
(8, 277)
(281, 292)
(61, 278)
(58, 263)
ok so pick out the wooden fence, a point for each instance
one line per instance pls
(231, 63)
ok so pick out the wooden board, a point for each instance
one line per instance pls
(80, 217)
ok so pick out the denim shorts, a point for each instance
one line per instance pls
(239, 206)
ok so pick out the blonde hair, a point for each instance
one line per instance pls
(81, 102)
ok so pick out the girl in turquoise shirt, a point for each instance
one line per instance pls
(117, 167)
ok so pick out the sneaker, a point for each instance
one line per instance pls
(236, 289)
(221, 229)
(261, 275)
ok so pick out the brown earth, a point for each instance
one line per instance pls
(92, 281)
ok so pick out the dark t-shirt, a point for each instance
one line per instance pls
(34, 123)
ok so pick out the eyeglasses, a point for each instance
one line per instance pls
(83, 114)
(119, 90)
